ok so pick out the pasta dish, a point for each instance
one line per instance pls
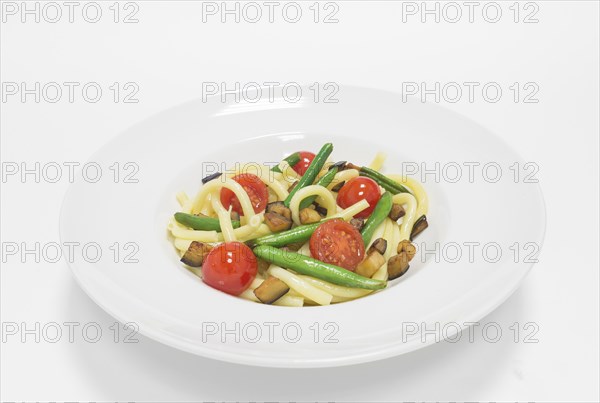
(308, 231)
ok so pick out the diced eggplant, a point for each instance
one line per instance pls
(262, 265)
(358, 223)
(371, 264)
(277, 223)
(294, 247)
(380, 245)
(396, 212)
(340, 165)
(418, 227)
(211, 177)
(196, 253)
(320, 210)
(407, 247)
(337, 187)
(309, 216)
(397, 266)
(271, 290)
(279, 208)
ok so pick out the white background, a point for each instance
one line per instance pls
(170, 52)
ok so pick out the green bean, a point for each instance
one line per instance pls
(324, 181)
(291, 159)
(301, 233)
(382, 209)
(202, 223)
(315, 268)
(383, 181)
(311, 173)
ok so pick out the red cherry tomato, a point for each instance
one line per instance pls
(357, 189)
(256, 189)
(306, 158)
(230, 267)
(338, 243)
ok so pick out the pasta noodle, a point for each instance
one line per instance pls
(325, 199)
(230, 184)
(288, 173)
(378, 161)
(336, 290)
(286, 300)
(410, 206)
(184, 202)
(353, 210)
(418, 191)
(343, 176)
(301, 286)
(224, 219)
(182, 244)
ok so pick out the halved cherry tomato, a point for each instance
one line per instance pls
(230, 267)
(306, 158)
(338, 243)
(357, 189)
(256, 189)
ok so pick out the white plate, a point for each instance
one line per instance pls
(172, 306)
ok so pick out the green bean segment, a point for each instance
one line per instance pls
(388, 184)
(301, 233)
(201, 223)
(291, 159)
(311, 173)
(315, 268)
(382, 209)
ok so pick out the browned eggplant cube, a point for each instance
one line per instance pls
(380, 245)
(396, 212)
(397, 266)
(271, 290)
(196, 253)
(276, 222)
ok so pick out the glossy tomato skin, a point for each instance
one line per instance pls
(256, 189)
(338, 243)
(357, 189)
(306, 158)
(230, 267)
